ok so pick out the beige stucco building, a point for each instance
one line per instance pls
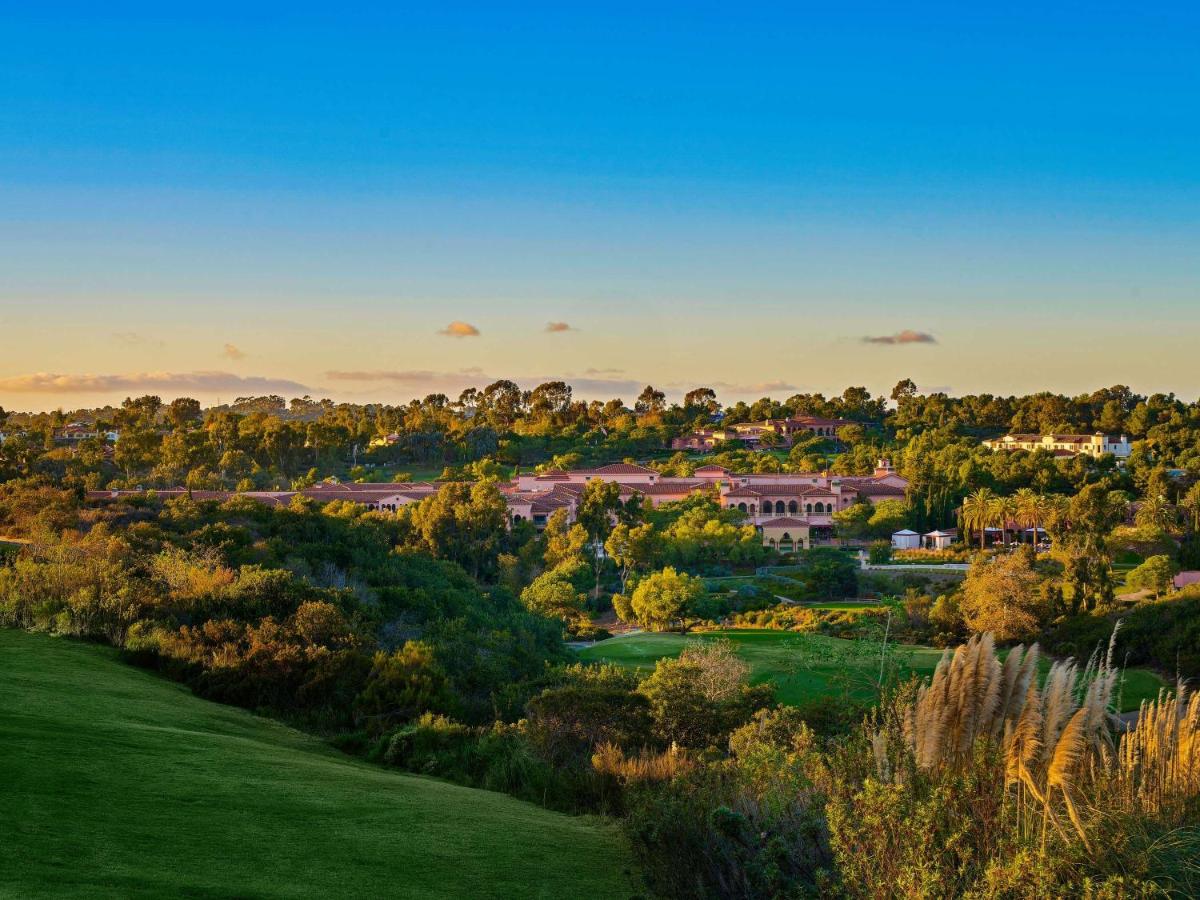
(1096, 445)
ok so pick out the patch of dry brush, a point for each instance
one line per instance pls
(1064, 754)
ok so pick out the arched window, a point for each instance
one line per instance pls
(742, 507)
(751, 509)
(793, 507)
(820, 507)
(808, 507)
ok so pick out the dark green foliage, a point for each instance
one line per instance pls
(566, 723)
(401, 685)
(188, 583)
(1164, 635)
(747, 826)
(698, 699)
(496, 758)
(828, 574)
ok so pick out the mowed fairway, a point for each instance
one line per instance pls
(806, 666)
(116, 783)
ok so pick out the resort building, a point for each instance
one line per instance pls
(1096, 445)
(782, 432)
(789, 508)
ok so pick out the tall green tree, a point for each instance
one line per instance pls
(632, 549)
(663, 597)
(978, 512)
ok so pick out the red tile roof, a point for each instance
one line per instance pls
(619, 469)
(786, 522)
(669, 487)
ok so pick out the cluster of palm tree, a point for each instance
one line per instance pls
(1025, 509)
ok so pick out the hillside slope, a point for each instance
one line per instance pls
(114, 782)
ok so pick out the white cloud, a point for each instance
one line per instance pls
(187, 382)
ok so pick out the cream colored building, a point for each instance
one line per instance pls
(1096, 445)
(786, 534)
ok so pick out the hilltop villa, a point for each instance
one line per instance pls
(1095, 445)
(751, 434)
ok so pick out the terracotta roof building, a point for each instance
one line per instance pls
(810, 498)
(753, 434)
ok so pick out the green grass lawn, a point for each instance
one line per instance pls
(842, 605)
(804, 666)
(117, 783)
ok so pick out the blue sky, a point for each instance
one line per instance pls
(703, 194)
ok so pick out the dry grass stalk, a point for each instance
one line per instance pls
(609, 759)
(1158, 761)
(1057, 741)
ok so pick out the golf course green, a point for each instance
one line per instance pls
(117, 783)
(804, 666)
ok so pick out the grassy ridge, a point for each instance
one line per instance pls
(114, 782)
(806, 666)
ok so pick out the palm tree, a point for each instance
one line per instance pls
(1028, 507)
(1156, 512)
(1045, 510)
(1003, 512)
(978, 510)
(1191, 503)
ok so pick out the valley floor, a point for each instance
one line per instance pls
(806, 666)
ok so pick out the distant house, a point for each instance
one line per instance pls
(756, 434)
(906, 540)
(74, 432)
(384, 440)
(1095, 445)
(1185, 579)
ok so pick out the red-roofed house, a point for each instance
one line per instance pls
(1185, 579)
